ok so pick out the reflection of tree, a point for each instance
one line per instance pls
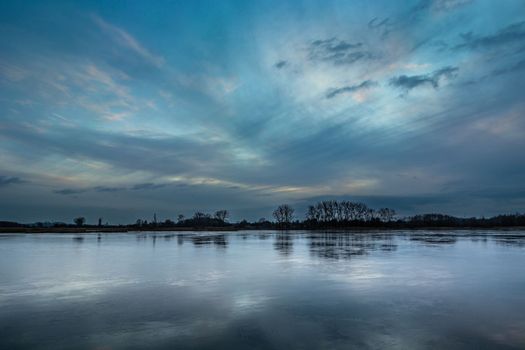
(284, 243)
(217, 240)
(510, 240)
(434, 238)
(346, 245)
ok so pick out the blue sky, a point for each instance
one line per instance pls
(122, 109)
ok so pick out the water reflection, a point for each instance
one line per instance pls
(432, 238)
(218, 240)
(284, 243)
(337, 245)
(264, 290)
(198, 240)
(510, 240)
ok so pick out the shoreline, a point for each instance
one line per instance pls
(117, 229)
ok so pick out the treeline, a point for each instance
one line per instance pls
(440, 220)
(330, 214)
(199, 219)
(347, 214)
(346, 211)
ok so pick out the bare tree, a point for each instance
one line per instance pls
(200, 216)
(386, 214)
(311, 214)
(221, 215)
(80, 221)
(283, 214)
(361, 211)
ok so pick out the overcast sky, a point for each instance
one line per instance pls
(123, 109)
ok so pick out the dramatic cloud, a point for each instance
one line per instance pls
(107, 112)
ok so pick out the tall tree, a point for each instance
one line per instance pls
(283, 214)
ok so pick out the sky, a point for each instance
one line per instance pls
(123, 109)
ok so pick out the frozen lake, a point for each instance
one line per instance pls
(263, 290)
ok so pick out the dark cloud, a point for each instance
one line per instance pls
(511, 34)
(353, 88)
(9, 180)
(509, 69)
(141, 186)
(338, 51)
(69, 191)
(383, 26)
(407, 82)
(160, 155)
(375, 22)
(147, 186)
(258, 137)
(281, 64)
(108, 189)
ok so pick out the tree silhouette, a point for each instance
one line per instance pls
(386, 214)
(80, 221)
(283, 214)
(200, 216)
(221, 215)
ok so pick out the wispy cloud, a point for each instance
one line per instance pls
(382, 25)
(110, 189)
(12, 72)
(439, 5)
(367, 84)
(520, 65)
(126, 40)
(509, 35)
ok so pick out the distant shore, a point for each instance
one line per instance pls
(112, 229)
(329, 215)
(122, 229)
